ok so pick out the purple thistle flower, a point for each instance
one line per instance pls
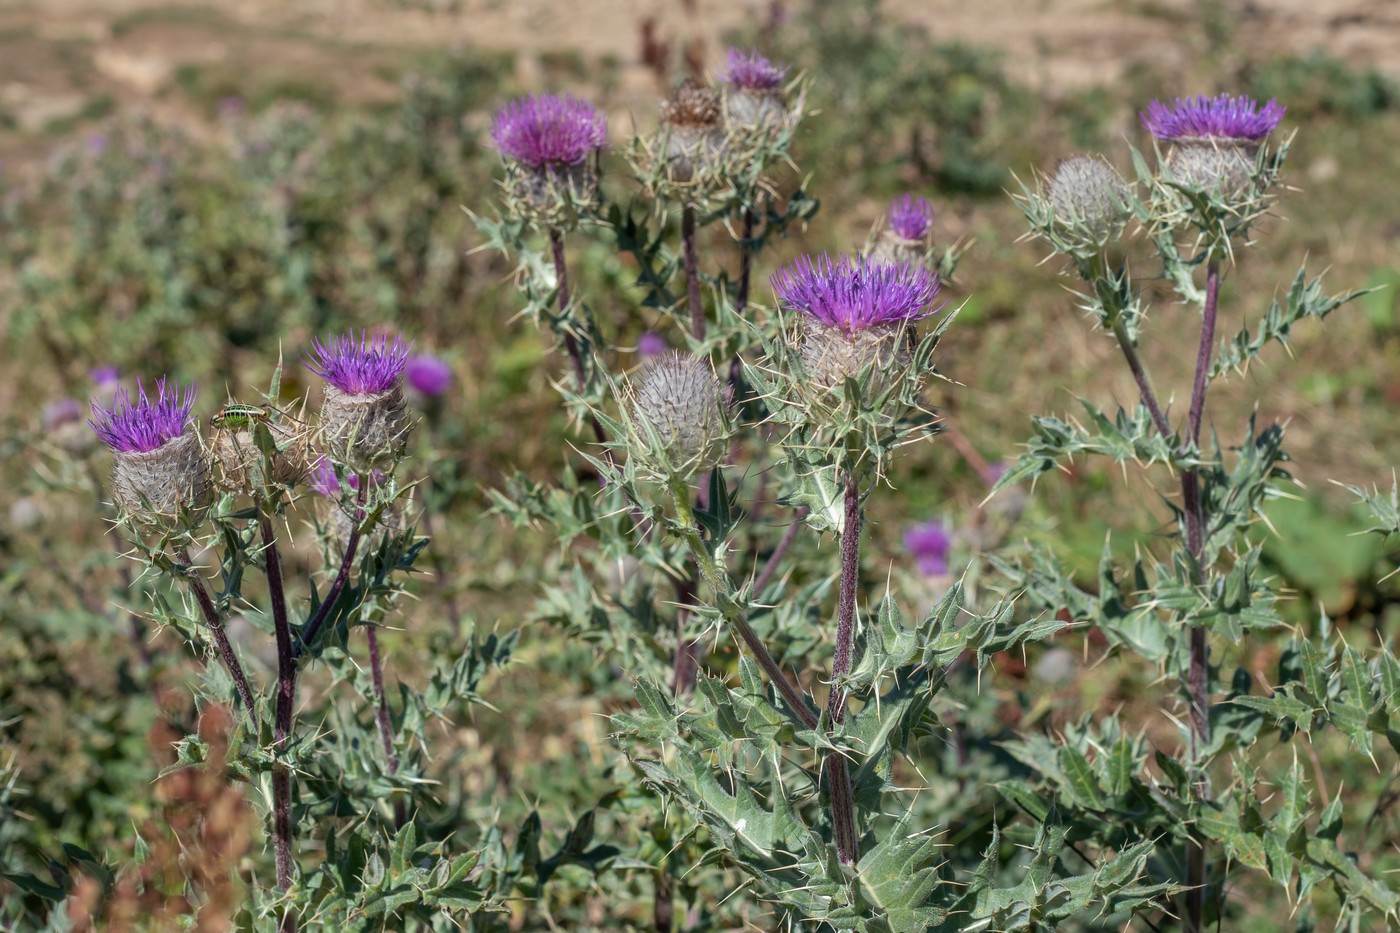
(856, 293)
(368, 366)
(429, 375)
(911, 217)
(750, 70)
(61, 412)
(929, 543)
(144, 425)
(1220, 117)
(323, 480)
(651, 345)
(548, 130)
(104, 376)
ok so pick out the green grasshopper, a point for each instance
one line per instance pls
(241, 417)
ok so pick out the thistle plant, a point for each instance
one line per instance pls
(1197, 602)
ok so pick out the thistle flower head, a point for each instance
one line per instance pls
(853, 294)
(62, 412)
(911, 217)
(428, 375)
(1088, 192)
(691, 104)
(749, 70)
(549, 130)
(1221, 117)
(366, 366)
(678, 422)
(323, 480)
(929, 544)
(651, 345)
(104, 376)
(144, 424)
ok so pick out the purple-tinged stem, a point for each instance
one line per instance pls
(686, 664)
(381, 714)
(843, 817)
(691, 259)
(216, 628)
(779, 552)
(1198, 684)
(342, 577)
(282, 721)
(741, 295)
(1149, 398)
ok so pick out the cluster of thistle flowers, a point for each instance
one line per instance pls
(1215, 157)
(855, 318)
(166, 472)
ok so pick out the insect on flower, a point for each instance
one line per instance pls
(239, 417)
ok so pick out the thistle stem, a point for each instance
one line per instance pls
(733, 613)
(561, 275)
(216, 628)
(741, 295)
(1198, 683)
(381, 715)
(1149, 398)
(282, 721)
(779, 552)
(342, 577)
(843, 817)
(691, 259)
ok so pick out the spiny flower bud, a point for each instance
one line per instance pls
(905, 237)
(753, 91)
(678, 420)
(548, 141)
(693, 129)
(160, 464)
(1089, 200)
(243, 467)
(363, 420)
(324, 482)
(857, 315)
(1215, 140)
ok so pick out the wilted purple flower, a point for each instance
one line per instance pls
(911, 216)
(929, 543)
(852, 294)
(429, 375)
(64, 411)
(144, 425)
(548, 130)
(368, 366)
(104, 376)
(651, 345)
(748, 69)
(1220, 117)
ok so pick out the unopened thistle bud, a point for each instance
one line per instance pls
(243, 466)
(1089, 201)
(906, 234)
(692, 131)
(548, 143)
(323, 481)
(363, 419)
(678, 420)
(753, 91)
(857, 315)
(160, 463)
(1214, 140)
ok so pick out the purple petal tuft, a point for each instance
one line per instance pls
(911, 216)
(429, 375)
(365, 367)
(144, 425)
(751, 71)
(1220, 117)
(545, 130)
(855, 293)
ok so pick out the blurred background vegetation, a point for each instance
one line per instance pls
(188, 191)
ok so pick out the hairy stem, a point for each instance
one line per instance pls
(215, 624)
(286, 697)
(741, 295)
(692, 273)
(733, 613)
(342, 577)
(1149, 398)
(843, 817)
(1198, 678)
(381, 715)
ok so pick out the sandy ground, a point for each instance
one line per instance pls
(62, 60)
